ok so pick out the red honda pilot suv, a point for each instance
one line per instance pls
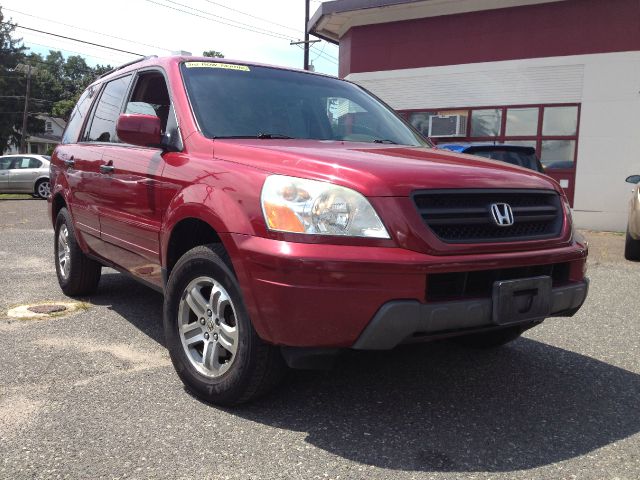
(287, 216)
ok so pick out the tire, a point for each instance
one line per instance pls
(632, 248)
(491, 339)
(212, 343)
(78, 275)
(43, 189)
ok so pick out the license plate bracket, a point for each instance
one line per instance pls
(517, 301)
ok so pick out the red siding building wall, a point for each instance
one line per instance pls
(571, 27)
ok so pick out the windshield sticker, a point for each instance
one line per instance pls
(228, 66)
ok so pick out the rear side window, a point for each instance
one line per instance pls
(33, 163)
(105, 116)
(77, 116)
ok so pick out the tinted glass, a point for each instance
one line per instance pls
(247, 101)
(560, 121)
(77, 116)
(522, 122)
(150, 97)
(21, 162)
(103, 124)
(5, 162)
(558, 153)
(486, 123)
(33, 163)
(519, 158)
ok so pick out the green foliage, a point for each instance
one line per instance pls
(56, 84)
(212, 53)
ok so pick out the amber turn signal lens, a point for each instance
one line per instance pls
(280, 217)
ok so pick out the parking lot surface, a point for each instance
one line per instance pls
(94, 395)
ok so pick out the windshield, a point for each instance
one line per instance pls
(238, 101)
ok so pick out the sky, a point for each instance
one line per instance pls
(261, 31)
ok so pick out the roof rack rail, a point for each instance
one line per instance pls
(127, 64)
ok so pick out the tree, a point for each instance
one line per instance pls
(12, 84)
(212, 53)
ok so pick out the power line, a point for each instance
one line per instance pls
(87, 30)
(241, 26)
(82, 54)
(75, 39)
(297, 30)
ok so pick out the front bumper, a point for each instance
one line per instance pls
(319, 295)
(398, 321)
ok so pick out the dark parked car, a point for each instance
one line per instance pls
(287, 216)
(513, 154)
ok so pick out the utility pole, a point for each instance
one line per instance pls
(25, 115)
(306, 42)
(306, 34)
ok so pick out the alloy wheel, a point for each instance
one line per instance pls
(64, 252)
(207, 327)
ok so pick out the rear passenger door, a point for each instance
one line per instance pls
(86, 157)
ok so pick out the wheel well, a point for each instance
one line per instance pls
(187, 234)
(57, 204)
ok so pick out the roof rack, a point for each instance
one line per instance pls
(127, 64)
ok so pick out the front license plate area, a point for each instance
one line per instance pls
(516, 301)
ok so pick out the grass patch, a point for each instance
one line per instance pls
(15, 196)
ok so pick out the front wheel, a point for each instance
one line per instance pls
(213, 346)
(491, 339)
(632, 248)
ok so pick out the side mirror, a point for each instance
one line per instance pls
(139, 129)
(633, 179)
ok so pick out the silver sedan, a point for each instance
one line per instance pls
(25, 174)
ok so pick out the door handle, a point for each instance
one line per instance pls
(69, 162)
(107, 168)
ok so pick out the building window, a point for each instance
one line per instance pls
(551, 129)
(486, 123)
(560, 121)
(522, 121)
(48, 127)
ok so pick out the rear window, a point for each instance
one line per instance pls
(521, 158)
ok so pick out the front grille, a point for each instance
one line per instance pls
(479, 284)
(464, 216)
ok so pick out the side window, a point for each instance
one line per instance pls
(150, 97)
(34, 163)
(5, 162)
(105, 115)
(77, 116)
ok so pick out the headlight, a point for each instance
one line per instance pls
(296, 205)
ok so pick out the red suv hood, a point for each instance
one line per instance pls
(378, 170)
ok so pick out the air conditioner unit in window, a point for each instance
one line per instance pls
(448, 126)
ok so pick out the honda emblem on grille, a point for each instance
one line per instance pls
(502, 214)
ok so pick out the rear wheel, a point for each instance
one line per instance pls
(213, 346)
(77, 273)
(632, 248)
(43, 188)
(491, 339)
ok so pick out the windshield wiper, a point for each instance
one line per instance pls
(385, 140)
(272, 135)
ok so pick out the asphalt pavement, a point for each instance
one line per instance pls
(94, 395)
